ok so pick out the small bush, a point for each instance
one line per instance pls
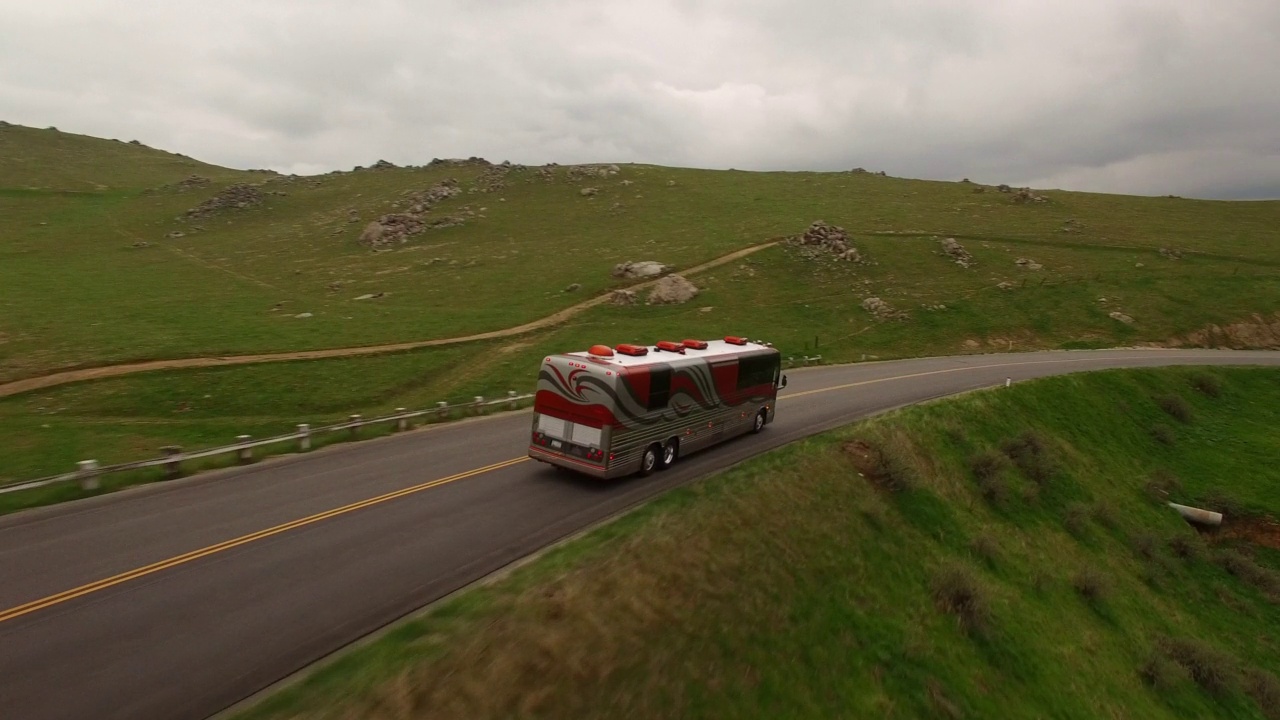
(1243, 567)
(956, 591)
(985, 547)
(1160, 672)
(884, 464)
(987, 464)
(1076, 520)
(1104, 515)
(1161, 485)
(994, 490)
(1163, 434)
(1145, 545)
(1207, 385)
(1091, 584)
(1187, 547)
(1030, 453)
(1209, 667)
(1264, 688)
(1176, 407)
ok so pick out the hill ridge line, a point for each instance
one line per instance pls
(106, 371)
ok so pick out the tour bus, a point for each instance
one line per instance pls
(610, 412)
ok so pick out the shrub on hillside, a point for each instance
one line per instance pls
(1242, 566)
(987, 464)
(1264, 688)
(1186, 546)
(1145, 545)
(1209, 667)
(985, 547)
(1161, 485)
(1163, 434)
(1206, 384)
(1091, 584)
(1176, 407)
(1076, 519)
(1030, 453)
(1160, 672)
(956, 591)
(1105, 515)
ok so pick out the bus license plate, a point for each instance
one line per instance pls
(556, 444)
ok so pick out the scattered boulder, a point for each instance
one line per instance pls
(1006, 285)
(141, 244)
(1026, 196)
(303, 315)
(672, 290)
(1171, 254)
(883, 310)
(831, 238)
(1028, 264)
(577, 173)
(383, 165)
(623, 297)
(954, 250)
(1004, 188)
(1121, 317)
(588, 192)
(979, 189)
(573, 287)
(175, 234)
(371, 296)
(636, 270)
(240, 196)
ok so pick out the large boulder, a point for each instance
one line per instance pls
(637, 270)
(672, 290)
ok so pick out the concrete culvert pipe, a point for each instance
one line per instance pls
(1197, 515)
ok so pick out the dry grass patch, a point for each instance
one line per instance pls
(956, 591)
(1030, 453)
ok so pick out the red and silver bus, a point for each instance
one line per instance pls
(610, 412)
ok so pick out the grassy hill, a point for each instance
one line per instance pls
(1004, 554)
(101, 264)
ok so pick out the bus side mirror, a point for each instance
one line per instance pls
(784, 382)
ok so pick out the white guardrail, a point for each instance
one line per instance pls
(88, 473)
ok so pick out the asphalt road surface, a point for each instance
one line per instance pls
(177, 600)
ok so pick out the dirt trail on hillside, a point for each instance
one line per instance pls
(106, 371)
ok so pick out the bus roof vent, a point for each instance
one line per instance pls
(601, 351)
(635, 350)
(695, 344)
(670, 346)
(735, 340)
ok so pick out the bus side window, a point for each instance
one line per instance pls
(760, 370)
(659, 387)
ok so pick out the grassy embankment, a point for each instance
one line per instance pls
(79, 293)
(1003, 554)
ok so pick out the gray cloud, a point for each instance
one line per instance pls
(1150, 96)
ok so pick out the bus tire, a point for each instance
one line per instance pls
(670, 451)
(761, 418)
(651, 459)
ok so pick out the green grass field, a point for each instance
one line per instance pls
(81, 289)
(1004, 554)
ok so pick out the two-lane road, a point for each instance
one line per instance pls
(177, 600)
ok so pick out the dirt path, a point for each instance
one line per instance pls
(106, 371)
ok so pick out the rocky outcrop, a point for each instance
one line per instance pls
(672, 290)
(240, 196)
(883, 310)
(623, 297)
(1028, 264)
(829, 238)
(1260, 332)
(956, 252)
(396, 228)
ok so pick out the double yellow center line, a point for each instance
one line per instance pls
(93, 587)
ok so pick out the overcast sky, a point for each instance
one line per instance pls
(1145, 97)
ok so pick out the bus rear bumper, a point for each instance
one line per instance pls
(574, 464)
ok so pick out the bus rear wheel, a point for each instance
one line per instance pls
(649, 461)
(670, 451)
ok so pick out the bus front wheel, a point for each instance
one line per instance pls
(759, 422)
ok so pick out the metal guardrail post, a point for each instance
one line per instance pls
(355, 427)
(479, 402)
(402, 424)
(88, 475)
(443, 408)
(304, 437)
(512, 403)
(245, 454)
(174, 466)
